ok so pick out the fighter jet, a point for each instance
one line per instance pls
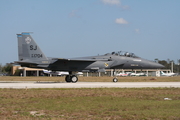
(30, 55)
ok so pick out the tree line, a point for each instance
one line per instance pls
(168, 64)
(6, 69)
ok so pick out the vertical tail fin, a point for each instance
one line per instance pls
(28, 49)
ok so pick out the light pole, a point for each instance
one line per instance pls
(178, 64)
(171, 66)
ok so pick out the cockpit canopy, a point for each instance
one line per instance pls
(123, 53)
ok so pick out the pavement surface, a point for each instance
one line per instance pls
(32, 84)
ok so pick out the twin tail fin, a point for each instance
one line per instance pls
(28, 49)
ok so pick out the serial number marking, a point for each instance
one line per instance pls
(36, 55)
(134, 65)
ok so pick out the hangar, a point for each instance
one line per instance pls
(25, 71)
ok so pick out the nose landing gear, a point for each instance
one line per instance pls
(115, 79)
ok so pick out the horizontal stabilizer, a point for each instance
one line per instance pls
(25, 62)
(85, 60)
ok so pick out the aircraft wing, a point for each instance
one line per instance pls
(71, 64)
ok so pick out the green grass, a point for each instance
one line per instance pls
(88, 103)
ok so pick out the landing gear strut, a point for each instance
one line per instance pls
(71, 78)
(115, 79)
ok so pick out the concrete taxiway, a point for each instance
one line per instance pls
(21, 85)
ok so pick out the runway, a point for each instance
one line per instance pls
(31, 84)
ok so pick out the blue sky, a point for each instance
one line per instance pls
(77, 28)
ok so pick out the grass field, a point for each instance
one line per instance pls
(84, 104)
(90, 103)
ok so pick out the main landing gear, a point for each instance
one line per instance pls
(71, 78)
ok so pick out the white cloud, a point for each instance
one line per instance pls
(74, 13)
(137, 30)
(121, 21)
(116, 2)
(111, 2)
(125, 7)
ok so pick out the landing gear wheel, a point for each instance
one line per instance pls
(71, 78)
(68, 78)
(74, 78)
(115, 79)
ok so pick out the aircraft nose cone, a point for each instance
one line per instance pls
(157, 66)
(152, 65)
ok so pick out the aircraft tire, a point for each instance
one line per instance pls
(68, 78)
(115, 79)
(74, 78)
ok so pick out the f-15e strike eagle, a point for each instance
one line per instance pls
(30, 55)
